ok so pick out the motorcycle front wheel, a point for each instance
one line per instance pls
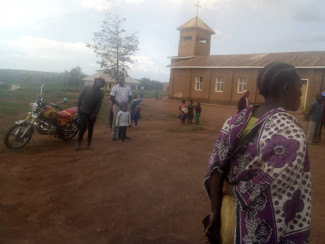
(18, 135)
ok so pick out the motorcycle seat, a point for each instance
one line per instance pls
(67, 113)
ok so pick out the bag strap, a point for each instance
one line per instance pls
(246, 139)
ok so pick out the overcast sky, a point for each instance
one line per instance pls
(47, 35)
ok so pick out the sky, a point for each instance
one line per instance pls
(47, 35)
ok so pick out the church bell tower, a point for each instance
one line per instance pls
(194, 39)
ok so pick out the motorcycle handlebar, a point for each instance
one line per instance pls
(55, 106)
(40, 100)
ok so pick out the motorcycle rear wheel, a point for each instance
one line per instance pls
(13, 137)
(69, 131)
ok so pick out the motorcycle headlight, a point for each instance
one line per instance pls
(34, 107)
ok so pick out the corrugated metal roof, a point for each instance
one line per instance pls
(196, 22)
(315, 59)
(108, 78)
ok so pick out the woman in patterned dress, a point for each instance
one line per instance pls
(261, 193)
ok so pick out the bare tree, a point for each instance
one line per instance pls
(114, 48)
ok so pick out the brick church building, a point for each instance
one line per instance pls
(220, 79)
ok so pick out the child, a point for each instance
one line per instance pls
(190, 108)
(135, 110)
(123, 119)
(197, 113)
(183, 111)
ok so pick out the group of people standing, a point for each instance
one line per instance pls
(90, 101)
(121, 97)
(258, 178)
(186, 111)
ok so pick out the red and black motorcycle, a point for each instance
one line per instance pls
(46, 119)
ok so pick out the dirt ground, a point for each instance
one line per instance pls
(147, 190)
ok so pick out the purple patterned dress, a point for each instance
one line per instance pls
(271, 176)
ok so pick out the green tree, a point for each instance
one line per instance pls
(146, 83)
(74, 77)
(114, 48)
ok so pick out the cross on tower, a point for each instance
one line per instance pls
(197, 8)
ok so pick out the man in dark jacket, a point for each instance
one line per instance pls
(89, 103)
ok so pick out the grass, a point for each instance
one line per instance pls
(14, 104)
(4, 86)
(151, 94)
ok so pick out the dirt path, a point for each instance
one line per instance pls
(147, 190)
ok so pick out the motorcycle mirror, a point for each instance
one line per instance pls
(42, 89)
(65, 100)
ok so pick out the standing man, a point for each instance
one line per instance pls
(315, 112)
(120, 93)
(89, 103)
(322, 123)
(156, 95)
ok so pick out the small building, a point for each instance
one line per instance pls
(109, 81)
(196, 74)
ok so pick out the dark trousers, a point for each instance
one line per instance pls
(182, 117)
(122, 132)
(190, 117)
(135, 117)
(86, 123)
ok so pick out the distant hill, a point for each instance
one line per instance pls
(17, 76)
(73, 77)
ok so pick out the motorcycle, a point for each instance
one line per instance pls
(46, 119)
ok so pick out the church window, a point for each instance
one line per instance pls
(186, 38)
(219, 84)
(198, 83)
(242, 84)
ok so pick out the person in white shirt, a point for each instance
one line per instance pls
(123, 120)
(119, 94)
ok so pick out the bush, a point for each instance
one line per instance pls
(4, 86)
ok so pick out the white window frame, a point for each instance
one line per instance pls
(219, 84)
(241, 85)
(306, 82)
(198, 83)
